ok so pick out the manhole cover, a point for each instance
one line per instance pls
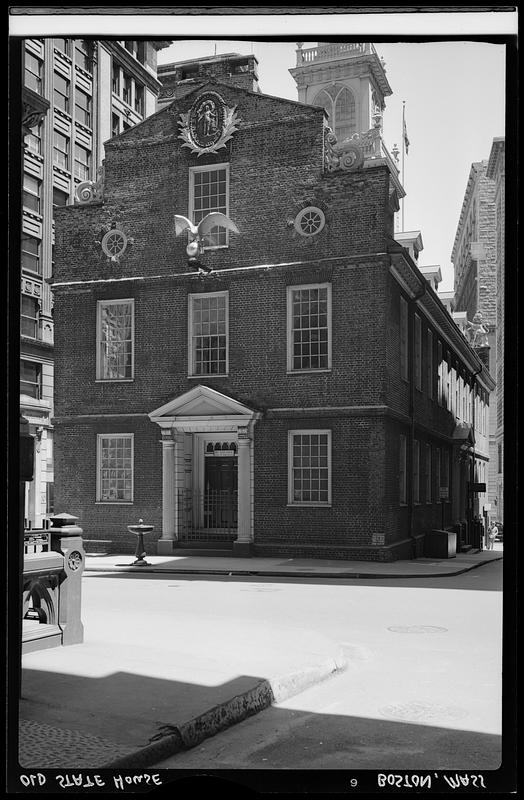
(416, 629)
(418, 711)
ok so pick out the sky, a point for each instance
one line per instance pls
(454, 93)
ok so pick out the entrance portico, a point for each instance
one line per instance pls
(207, 463)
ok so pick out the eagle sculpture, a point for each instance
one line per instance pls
(198, 232)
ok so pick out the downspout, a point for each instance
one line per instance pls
(472, 465)
(411, 351)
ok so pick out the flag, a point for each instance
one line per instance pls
(405, 134)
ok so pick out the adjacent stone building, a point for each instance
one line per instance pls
(478, 260)
(285, 382)
(496, 171)
(93, 90)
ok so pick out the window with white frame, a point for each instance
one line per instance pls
(31, 194)
(29, 309)
(33, 141)
(416, 471)
(115, 468)
(115, 338)
(31, 254)
(403, 339)
(61, 90)
(428, 472)
(83, 108)
(33, 72)
(82, 162)
(83, 58)
(402, 469)
(208, 334)
(309, 471)
(31, 379)
(440, 385)
(309, 327)
(209, 191)
(60, 150)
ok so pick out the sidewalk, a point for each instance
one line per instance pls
(110, 702)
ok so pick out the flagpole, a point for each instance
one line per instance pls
(403, 154)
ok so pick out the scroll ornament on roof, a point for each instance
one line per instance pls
(208, 125)
(347, 155)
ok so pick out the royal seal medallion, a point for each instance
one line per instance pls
(208, 125)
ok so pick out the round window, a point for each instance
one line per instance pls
(310, 221)
(114, 243)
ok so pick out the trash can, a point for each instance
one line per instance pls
(440, 544)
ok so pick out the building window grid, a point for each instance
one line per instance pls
(115, 340)
(31, 193)
(310, 467)
(31, 254)
(209, 191)
(29, 317)
(61, 150)
(83, 108)
(115, 468)
(31, 379)
(33, 141)
(82, 162)
(33, 73)
(309, 311)
(208, 317)
(61, 92)
(83, 55)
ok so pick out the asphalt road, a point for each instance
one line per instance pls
(422, 690)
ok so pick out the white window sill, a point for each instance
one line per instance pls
(309, 505)
(114, 380)
(307, 371)
(210, 375)
(114, 503)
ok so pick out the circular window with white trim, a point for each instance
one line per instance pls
(114, 243)
(309, 221)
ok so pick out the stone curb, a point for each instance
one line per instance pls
(288, 574)
(174, 739)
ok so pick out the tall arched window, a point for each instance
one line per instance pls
(324, 100)
(339, 104)
(345, 122)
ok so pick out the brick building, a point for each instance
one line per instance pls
(292, 388)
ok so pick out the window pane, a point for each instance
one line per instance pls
(115, 460)
(309, 328)
(30, 379)
(209, 335)
(210, 194)
(310, 468)
(116, 341)
(345, 121)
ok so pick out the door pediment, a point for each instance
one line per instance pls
(201, 404)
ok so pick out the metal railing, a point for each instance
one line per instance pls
(207, 515)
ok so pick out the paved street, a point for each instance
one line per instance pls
(422, 689)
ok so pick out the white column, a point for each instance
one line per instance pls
(169, 497)
(244, 535)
